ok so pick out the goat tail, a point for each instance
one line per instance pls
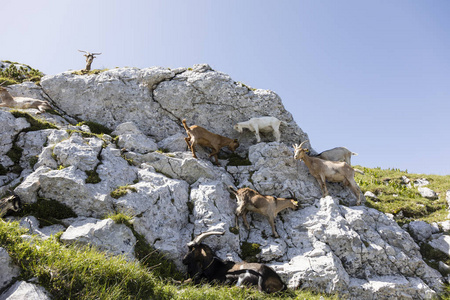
(284, 123)
(359, 171)
(353, 153)
(185, 125)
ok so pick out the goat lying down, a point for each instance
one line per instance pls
(261, 124)
(200, 136)
(22, 102)
(251, 200)
(202, 263)
(10, 203)
(337, 154)
(332, 171)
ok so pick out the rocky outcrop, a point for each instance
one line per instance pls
(328, 245)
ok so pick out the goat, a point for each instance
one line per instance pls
(22, 102)
(202, 263)
(89, 59)
(251, 200)
(200, 136)
(332, 171)
(10, 203)
(261, 124)
(337, 154)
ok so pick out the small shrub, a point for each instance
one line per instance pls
(92, 176)
(249, 251)
(122, 191)
(236, 160)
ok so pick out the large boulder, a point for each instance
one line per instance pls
(157, 99)
(106, 235)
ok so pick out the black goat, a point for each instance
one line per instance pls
(9, 203)
(202, 263)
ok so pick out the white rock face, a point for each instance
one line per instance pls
(131, 138)
(157, 99)
(420, 230)
(106, 235)
(7, 269)
(328, 245)
(428, 193)
(25, 290)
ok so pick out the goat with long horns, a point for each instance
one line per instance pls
(202, 263)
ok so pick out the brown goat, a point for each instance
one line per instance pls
(200, 136)
(332, 171)
(251, 200)
(21, 102)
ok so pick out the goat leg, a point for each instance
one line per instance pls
(244, 217)
(272, 224)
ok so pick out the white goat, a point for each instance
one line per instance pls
(337, 154)
(262, 124)
(332, 171)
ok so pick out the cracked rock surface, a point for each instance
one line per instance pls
(328, 245)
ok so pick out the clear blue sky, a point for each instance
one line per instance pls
(373, 76)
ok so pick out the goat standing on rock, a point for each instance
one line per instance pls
(202, 263)
(201, 136)
(332, 171)
(262, 124)
(251, 200)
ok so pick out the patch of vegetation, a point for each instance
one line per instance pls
(249, 251)
(33, 160)
(3, 170)
(48, 212)
(162, 150)
(405, 203)
(92, 176)
(15, 153)
(236, 160)
(96, 128)
(17, 73)
(80, 272)
(91, 72)
(35, 124)
(122, 191)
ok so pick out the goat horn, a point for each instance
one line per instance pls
(202, 236)
(302, 143)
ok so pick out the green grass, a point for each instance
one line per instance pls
(122, 191)
(79, 272)
(35, 123)
(406, 204)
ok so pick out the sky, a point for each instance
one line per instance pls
(373, 76)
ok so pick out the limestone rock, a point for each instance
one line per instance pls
(24, 290)
(421, 182)
(79, 152)
(131, 138)
(420, 230)
(8, 271)
(428, 193)
(442, 243)
(106, 235)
